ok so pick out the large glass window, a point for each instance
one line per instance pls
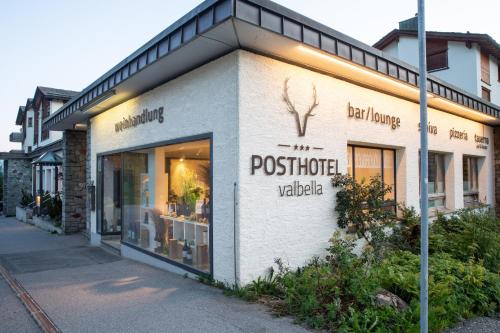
(470, 179)
(364, 163)
(163, 200)
(436, 176)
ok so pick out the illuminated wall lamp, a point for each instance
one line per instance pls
(394, 81)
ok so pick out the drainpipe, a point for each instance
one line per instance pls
(235, 204)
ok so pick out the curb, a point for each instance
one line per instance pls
(40, 317)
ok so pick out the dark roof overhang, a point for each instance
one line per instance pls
(216, 28)
(20, 115)
(50, 93)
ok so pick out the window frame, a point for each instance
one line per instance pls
(484, 59)
(438, 195)
(487, 91)
(388, 203)
(205, 136)
(471, 193)
(435, 52)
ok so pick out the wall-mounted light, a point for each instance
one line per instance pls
(37, 200)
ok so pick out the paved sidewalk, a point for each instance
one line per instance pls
(13, 315)
(94, 291)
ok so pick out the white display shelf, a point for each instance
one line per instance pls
(188, 229)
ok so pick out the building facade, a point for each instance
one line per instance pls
(210, 150)
(468, 60)
(37, 168)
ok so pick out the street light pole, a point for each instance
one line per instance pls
(424, 211)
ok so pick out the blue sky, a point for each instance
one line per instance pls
(69, 44)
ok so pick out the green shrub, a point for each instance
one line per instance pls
(457, 290)
(406, 234)
(468, 235)
(54, 208)
(362, 206)
(26, 198)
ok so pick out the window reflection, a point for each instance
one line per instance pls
(470, 181)
(363, 163)
(111, 196)
(166, 201)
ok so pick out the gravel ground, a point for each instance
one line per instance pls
(477, 325)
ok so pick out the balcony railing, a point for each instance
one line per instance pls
(16, 137)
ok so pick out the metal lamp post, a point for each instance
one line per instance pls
(424, 212)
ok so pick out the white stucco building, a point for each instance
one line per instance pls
(211, 148)
(39, 160)
(467, 60)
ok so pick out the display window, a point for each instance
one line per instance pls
(470, 181)
(160, 199)
(436, 177)
(364, 163)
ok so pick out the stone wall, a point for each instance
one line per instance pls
(496, 145)
(74, 189)
(88, 180)
(17, 177)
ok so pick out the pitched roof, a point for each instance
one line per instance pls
(57, 93)
(20, 115)
(484, 40)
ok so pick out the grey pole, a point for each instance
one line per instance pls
(424, 210)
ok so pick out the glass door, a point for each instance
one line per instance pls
(110, 176)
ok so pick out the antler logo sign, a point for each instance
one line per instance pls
(292, 110)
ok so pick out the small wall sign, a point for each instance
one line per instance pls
(431, 129)
(482, 142)
(369, 114)
(147, 116)
(459, 135)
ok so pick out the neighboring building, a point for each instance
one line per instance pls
(210, 149)
(468, 60)
(36, 168)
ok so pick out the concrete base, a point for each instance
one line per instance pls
(133, 254)
(21, 214)
(95, 239)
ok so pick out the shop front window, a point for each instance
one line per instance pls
(166, 208)
(364, 163)
(436, 176)
(470, 180)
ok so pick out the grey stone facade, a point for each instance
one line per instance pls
(88, 167)
(74, 190)
(17, 177)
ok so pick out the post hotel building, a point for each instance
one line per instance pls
(211, 148)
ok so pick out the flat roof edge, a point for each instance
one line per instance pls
(211, 13)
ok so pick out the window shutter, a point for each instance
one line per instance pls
(485, 67)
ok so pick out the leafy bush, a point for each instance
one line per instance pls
(405, 234)
(361, 206)
(54, 208)
(26, 198)
(468, 235)
(340, 292)
(457, 290)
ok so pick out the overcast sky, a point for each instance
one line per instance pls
(68, 44)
